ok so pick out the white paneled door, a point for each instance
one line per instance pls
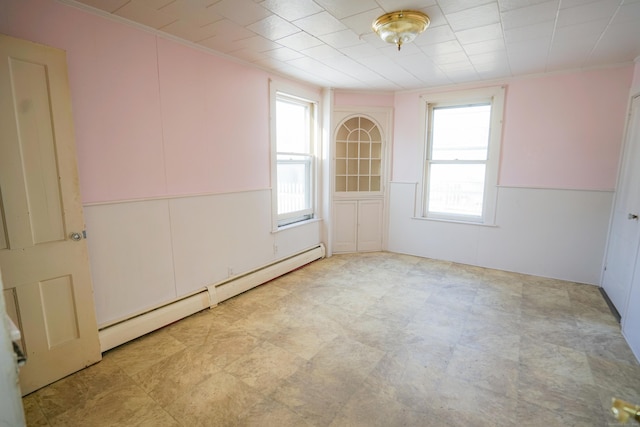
(43, 255)
(631, 318)
(624, 234)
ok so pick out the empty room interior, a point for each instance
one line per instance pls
(320, 212)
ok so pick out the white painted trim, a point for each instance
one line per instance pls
(497, 96)
(236, 285)
(133, 327)
(172, 197)
(138, 326)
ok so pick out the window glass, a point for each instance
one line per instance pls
(462, 155)
(294, 159)
(292, 127)
(461, 132)
(456, 189)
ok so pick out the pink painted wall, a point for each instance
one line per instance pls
(152, 117)
(562, 131)
(565, 131)
(354, 99)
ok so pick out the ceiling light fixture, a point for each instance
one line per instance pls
(400, 27)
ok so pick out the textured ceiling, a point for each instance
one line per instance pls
(330, 42)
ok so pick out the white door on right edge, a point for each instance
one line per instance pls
(624, 235)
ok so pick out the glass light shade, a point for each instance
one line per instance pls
(400, 27)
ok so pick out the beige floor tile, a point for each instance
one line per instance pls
(485, 370)
(270, 413)
(218, 401)
(126, 406)
(553, 363)
(316, 398)
(476, 406)
(370, 407)
(366, 339)
(144, 352)
(265, 367)
(175, 375)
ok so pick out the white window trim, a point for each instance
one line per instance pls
(496, 95)
(294, 92)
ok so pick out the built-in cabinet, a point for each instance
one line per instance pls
(358, 225)
(359, 186)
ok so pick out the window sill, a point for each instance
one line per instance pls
(453, 221)
(296, 224)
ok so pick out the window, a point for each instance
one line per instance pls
(294, 134)
(463, 143)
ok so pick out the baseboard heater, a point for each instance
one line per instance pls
(140, 324)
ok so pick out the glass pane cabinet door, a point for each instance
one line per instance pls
(358, 156)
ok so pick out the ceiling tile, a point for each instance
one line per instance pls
(321, 52)
(603, 9)
(530, 15)
(283, 54)
(273, 28)
(435, 35)
(475, 17)
(333, 43)
(138, 12)
(435, 16)
(450, 58)
(360, 51)
(578, 35)
(452, 6)
(361, 23)
(153, 4)
(452, 46)
(249, 55)
(340, 39)
(395, 5)
(192, 11)
(480, 34)
(628, 12)
(258, 44)
(484, 47)
(320, 24)
(491, 59)
(188, 31)
(529, 56)
(292, 10)
(506, 5)
(299, 41)
(343, 8)
(541, 30)
(243, 12)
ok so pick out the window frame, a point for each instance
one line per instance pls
(495, 97)
(294, 94)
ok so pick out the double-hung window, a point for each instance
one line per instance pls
(293, 151)
(463, 144)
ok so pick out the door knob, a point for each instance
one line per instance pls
(633, 216)
(76, 236)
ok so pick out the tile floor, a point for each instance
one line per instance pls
(375, 339)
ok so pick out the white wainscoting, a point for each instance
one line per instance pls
(147, 253)
(544, 232)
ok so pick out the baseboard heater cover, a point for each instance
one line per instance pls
(141, 324)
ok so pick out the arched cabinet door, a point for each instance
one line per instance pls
(358, 167)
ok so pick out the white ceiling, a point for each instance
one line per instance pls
(330, 42)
